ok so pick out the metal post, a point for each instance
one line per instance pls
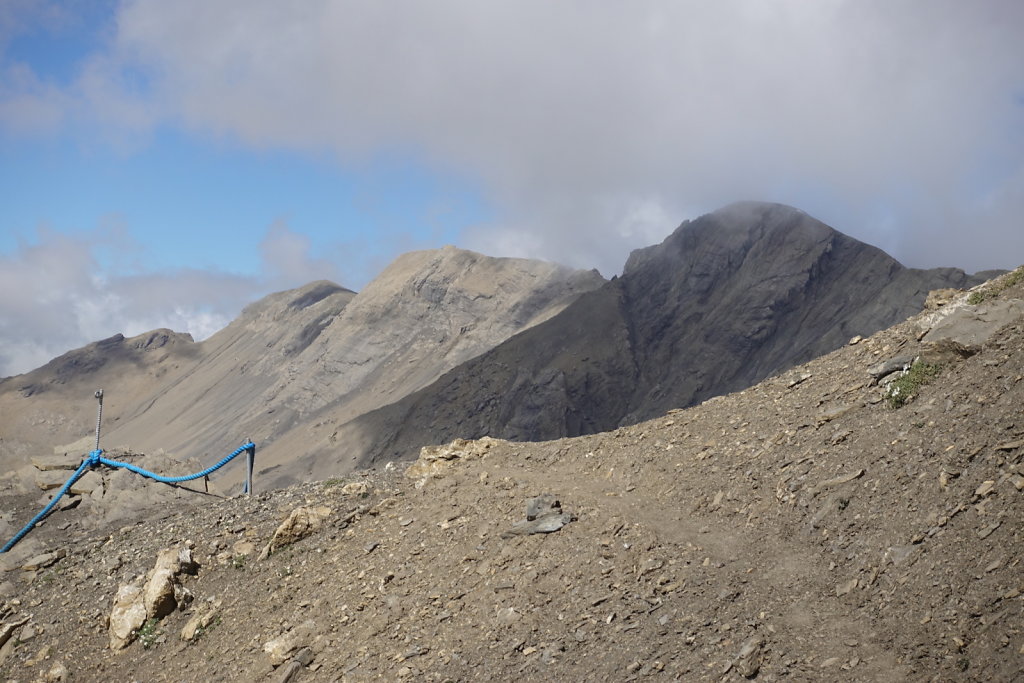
(99, 416)
(250, 457)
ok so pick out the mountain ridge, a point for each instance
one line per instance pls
(296, 354)
(724, 301)
(448, 343)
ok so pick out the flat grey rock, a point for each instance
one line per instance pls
(971, 326)
(543, 516)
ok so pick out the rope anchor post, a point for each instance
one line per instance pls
(250, 461)
(99, 416)
(95, 459)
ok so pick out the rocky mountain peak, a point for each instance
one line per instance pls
(728, 299)
(323, 349)
(733, 231)
(312, 301)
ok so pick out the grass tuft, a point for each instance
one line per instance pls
(904, 388)
(994, 290)
(149, 633)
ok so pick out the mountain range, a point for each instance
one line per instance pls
(843, 520)
(449, 343)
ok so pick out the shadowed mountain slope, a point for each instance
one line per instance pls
(725, 301)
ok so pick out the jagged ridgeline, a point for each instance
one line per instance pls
(726, 300)
(449, 343)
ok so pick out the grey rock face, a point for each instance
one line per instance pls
(725, 301)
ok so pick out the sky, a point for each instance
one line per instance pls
(162, 164)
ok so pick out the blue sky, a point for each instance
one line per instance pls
(199, 199)
(163, 164)
(185, 201)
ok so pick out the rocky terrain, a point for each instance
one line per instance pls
(859, 517)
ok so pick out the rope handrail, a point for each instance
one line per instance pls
(99, 459)
(96, 458)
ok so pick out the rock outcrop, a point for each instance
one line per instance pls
(137, 603)
(301, 522)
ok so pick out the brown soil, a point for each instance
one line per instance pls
(835, 537)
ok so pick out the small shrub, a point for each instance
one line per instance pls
(149, 633)
(904, 388)
(993, 290)
(238, 561)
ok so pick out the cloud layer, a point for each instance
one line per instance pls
(59, 292)
(592, 127)
(592, 124)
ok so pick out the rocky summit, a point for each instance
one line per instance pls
(857, 517)
(725, 301)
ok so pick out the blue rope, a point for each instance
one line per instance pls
(174, 480)
(96, 458)
(46, 510)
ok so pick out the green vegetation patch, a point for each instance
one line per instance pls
(993, 290)
(149, 633)
(904, 388)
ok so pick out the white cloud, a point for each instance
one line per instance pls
(27, 105)
(287, 258)
(52, 298)
(572, 114)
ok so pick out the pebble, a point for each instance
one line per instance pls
(987, 531)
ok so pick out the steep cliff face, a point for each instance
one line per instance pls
(726, 300)
(751, 289)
